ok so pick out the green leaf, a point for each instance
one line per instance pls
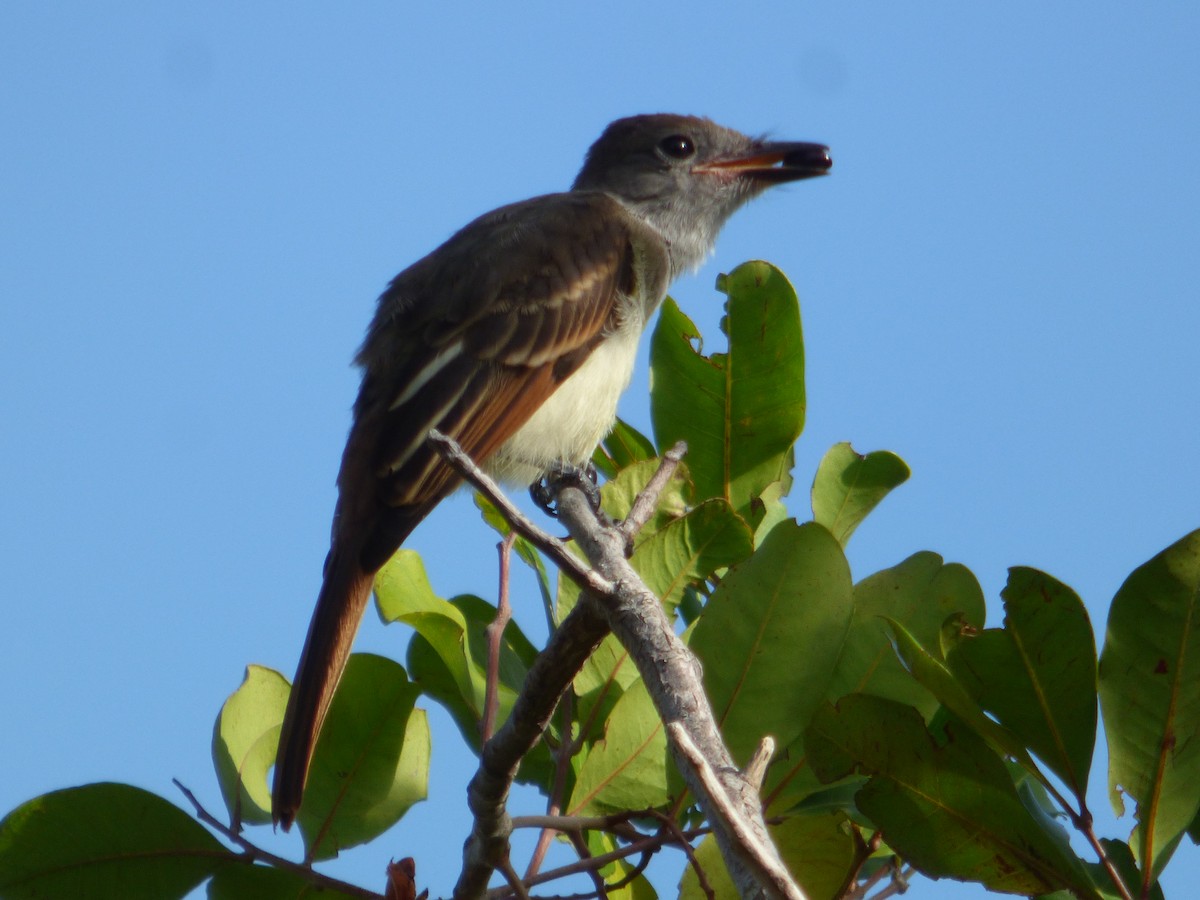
(740, 411)
(455, 633)
(104, 841)
(624, 446)
(628, 768)
(1037, 675)
(619, 494)
(427, 669)
(437, 682)
(371, 761)
(769, 509)
(817, 849)
(1150, 695)
(921, 592)
(950, 810)
(689, 549)
(771, 633)
(838, 797)
(268, 883)
(245, 739)
(848, 486)
(1122, 859)
(952, 694)
(403, 594)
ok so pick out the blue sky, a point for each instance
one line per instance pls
(201, 201)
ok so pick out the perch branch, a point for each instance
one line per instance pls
(671, 674)
(546, 681)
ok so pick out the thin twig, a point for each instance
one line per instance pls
(495, 640)
(1082, 822)
(669, 824)
(784, 781)
(863, 851)
(513, 879)
(562, 764)
(572, 566)
(253, 853)
(647, 500)
(899, 885)
(540, 849)
(585, 854)
(633, 873)
(577, 823)
(756, 769)
(650, 843)
(545, 682)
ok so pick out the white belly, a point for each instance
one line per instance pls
(578, 415)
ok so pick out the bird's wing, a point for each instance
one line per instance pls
(473, 339)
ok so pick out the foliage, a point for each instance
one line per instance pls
(911, 737)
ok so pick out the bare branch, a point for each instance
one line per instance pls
(252, 853)
(899, 883)
(647, 844)
(568, 562)
(759, 856)
(671, 674)
(756, 769)
(562, 764)
(647, 500)
(585, 855)
(549, 676)
(513, 879)
(863, 851)
(495, 640)
(615, 598)
(669, 824)
(617, 824)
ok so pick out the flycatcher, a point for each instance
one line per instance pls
(516, 337)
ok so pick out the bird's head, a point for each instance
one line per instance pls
(686, 175)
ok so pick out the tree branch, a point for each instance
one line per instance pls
(648, 844)
(671, 674)
(569, 563)
(549, 676)
(647, 501)
(495, 640)
(252, 852)
(615, 598)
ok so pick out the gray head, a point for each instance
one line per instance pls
(686, 175)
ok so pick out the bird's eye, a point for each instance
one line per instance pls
(677, 146)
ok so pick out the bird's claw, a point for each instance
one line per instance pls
(564, 474)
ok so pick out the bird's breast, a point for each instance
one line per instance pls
(578, 415)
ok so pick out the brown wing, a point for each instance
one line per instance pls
(472, 340)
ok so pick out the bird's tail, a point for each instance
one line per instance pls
(340, 606)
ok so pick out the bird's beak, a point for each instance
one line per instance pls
(773, 162)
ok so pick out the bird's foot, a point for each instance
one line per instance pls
(565, 474)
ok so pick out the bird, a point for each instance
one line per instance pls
(515, 337)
